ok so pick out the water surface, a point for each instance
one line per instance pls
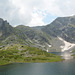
(56, 68)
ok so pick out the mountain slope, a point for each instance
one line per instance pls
(33, 37)
(44, 37)
(63, 27)
(23, 35)
(5, 29)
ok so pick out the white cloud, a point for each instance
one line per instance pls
(32, 12)
(37, 18)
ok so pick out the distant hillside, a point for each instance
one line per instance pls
(22, 35)
(63, 27)
(44, 37)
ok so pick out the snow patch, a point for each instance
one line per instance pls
(47, 50)
(67, 45)
(49, 45)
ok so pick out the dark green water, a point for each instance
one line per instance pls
(56, 68)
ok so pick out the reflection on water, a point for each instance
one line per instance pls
(67, 55)
(56, 68)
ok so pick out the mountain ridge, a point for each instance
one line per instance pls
(40, 36)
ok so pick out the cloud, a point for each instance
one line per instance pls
(37, 18)
(33, 12)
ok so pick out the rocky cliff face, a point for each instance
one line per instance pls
(63, 27)
(5, 29)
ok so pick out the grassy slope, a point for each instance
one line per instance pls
(73, 53)
(21, 53)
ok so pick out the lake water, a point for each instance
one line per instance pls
(56, 68)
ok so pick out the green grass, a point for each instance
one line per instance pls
(20, 53)
(73, 53)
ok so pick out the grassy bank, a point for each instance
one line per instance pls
(73, 53)
(20, 53)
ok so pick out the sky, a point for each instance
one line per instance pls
(35, 12)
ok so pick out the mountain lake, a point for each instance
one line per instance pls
(66, 67)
